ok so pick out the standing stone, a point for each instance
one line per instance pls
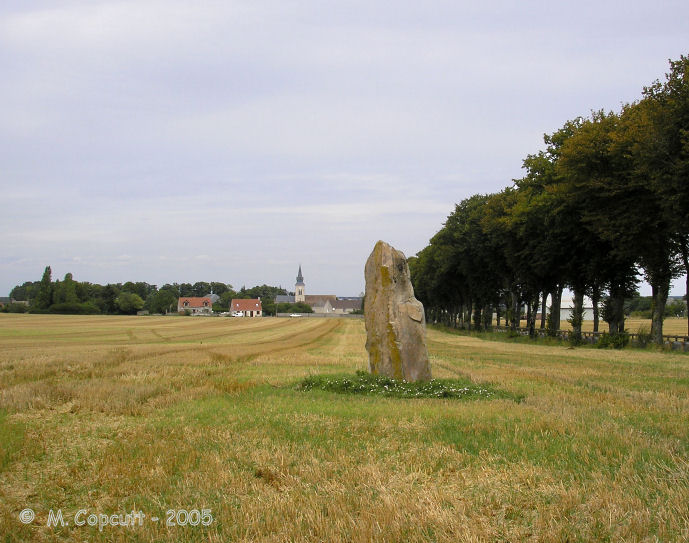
(395, 322)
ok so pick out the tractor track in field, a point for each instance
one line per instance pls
(280, 349)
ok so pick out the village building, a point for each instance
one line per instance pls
(326, 304)
(195, 305)
(343, 306)
(300, 288)
(246, 307)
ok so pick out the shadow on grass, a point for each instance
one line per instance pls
(363, 383)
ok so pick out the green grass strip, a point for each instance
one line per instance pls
(364, 383)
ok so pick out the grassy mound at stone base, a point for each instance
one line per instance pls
(365, 383)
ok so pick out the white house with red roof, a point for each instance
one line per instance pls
(195, 305)
(248, 307)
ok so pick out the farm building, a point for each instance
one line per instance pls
(566, 305)
(250, 307)
(195, 305)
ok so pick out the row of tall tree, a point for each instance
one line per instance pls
(70, 296)
(605, 202)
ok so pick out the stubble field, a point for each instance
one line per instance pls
(154, 414)
(671, 325)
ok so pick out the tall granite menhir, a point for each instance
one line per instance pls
(395, 322)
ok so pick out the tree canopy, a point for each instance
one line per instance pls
(70, 296)
(604, 202)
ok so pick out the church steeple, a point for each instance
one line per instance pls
(299, 288)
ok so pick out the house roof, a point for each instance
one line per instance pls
(319, 300)
(246, 304)
(195, 302)
(346, 304)
(284, 298)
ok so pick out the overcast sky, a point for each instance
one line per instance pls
(170, 141)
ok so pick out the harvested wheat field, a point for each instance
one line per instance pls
(671, 326)
(198, 422)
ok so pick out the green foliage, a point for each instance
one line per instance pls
(220, 288)
(364, 383)
(637, 304)
(12, 435)
(606, 199)
(106, 300)
(162, 301)
(643, 336)
(65, 292)
(14, 308)
(141, 289)
(299, 307)
(44, 296)
(676, 308)
(200, 288)
(129, 303)
(265, 292)
(226, 298)
(75, 308)
(268, 306)
(70, 296)
(25, 292)
(613, 341)
(550, 324)
(640, 307)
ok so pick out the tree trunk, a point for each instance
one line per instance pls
(578, 314)
(659, 293)
(595, 300)
(554, 317)
(685, 261)
(487, 317)
(514, 322)
(617, 308)
(533, 307)
(477, 317)
(544, 308)
(528, 317)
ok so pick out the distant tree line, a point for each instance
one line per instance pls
(75, 297)
(604, 202)
(297, 307)
(640, 307)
